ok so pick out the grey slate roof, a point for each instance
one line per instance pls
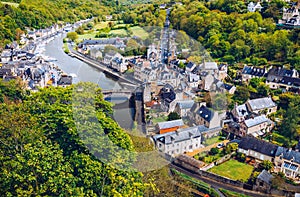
(185, 104)
(170, 124)
(65, 80)
(256, 121)
(255, 71)
(242, 110)
(288, 154)
(265, 176)
(261, 103)
(205, 113)
(261, 146)
(178, 136)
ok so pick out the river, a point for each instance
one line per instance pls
(87, 73)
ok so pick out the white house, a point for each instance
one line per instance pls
(178, 142)
(254, 7)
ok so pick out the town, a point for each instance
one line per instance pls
(203, 115)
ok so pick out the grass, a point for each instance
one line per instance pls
(87, 35)
(228, 193)
(119, 32)
(234, 170)
(213, 140)
(10, 3)
(139, 32)
(101, 25)
(159, 119)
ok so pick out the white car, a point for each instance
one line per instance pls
(221, 145)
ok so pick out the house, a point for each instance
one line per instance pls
(290, 16)
(262, 105)
(169, 126)
(229, 88)
(283, 78)
(152, 53)
(240, 112)
(95, 53)
(258, 149)
(64, 81)
(252, 8)
(250, 72)
(207, 82)
(223, 69)
(167, 98)
(178, 142)
(256, 126)
(263, 182)
(118, 63)
(202, 115)
(193, 80)
(288, 162)
(110, 56)
(183, 107)
(190, 67)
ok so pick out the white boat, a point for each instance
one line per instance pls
(73, 75)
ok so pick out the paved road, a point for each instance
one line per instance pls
(216, 184)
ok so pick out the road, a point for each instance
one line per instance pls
(102, 67)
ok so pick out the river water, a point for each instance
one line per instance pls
(87, 73)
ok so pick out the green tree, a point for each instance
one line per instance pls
(73, 36)
(173, 116)
(267, 165)
(241, 95)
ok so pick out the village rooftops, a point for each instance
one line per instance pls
(255, 71)
(209, 66)
(261, 103)
(170, 124)
(265, 176)
(288, 154)
(205, 113)
(178, 136)
(256, 121)
(242, 110)
(261, 146)
(185, 104)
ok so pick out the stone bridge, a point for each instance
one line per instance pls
(117, 93)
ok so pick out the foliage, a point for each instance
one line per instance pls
(228, 193)
(267, 165)
(231, 147)
(73, 36)
(47, 150)
(214, 151)
(173, 116)
(232, 34)
(241, 95)
(41, 14)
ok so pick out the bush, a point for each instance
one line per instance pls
(214, 151)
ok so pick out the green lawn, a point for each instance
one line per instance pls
(213, 140)
(139, 32)
(234, 170)
(119, 32)
(159, 119)
(101, 25)
(10, 3)
(87, 36)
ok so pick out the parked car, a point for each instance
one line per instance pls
(221, 145)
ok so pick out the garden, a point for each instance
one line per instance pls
(234, 170)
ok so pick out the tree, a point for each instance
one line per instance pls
(214, 151)
(267, 165)
(72, 36)
(241, 95)
(173, 116)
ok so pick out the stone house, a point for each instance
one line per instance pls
(263, 182)
(256, 126)
(257, 149)
(262, 105)
(183, 107)
(178, 142)
(250, 72)
(169, 126)
(288, 162)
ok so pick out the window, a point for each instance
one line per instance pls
(191, 146)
